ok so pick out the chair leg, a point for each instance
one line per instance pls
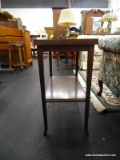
(101, 87)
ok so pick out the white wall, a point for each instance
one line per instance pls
(33, 19)
(115, 6)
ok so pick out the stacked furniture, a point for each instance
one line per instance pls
(109, 72)
(8, 20)
(13, 35)
(14, 42)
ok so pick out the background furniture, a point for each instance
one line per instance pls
(49, 31)
(33, 47)
(19, 46)
(12, 35)
(109, 72)
(109, 17)
(68, 55)
(87, 19)
(82, 62)
(8, 20)
(65, 88)
(57, 30)
(5, 69)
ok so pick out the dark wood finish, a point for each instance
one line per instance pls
(34, 36)
(101, 87)
(33, 47)
(63, 89)
(73, 45)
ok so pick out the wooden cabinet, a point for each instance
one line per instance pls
(27, 40)
(87, 20)
(57, 30)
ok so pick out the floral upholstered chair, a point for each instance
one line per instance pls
(82, 61)
(109, 72)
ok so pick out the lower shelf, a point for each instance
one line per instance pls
(66, 89)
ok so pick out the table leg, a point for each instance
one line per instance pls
(76, 64)
(88, 86)
(42, 84)
(50, 63)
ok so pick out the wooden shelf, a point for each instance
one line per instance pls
(65, 89)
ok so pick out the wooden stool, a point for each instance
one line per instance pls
(19, 46)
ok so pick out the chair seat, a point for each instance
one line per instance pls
(19, 43)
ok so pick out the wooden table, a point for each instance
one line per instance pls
(65, 88)
(33, 48)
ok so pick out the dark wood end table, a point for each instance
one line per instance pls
(65, 88)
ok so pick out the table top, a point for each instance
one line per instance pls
(82, 41)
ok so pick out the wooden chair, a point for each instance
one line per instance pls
(71, 55)
(73, 33)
